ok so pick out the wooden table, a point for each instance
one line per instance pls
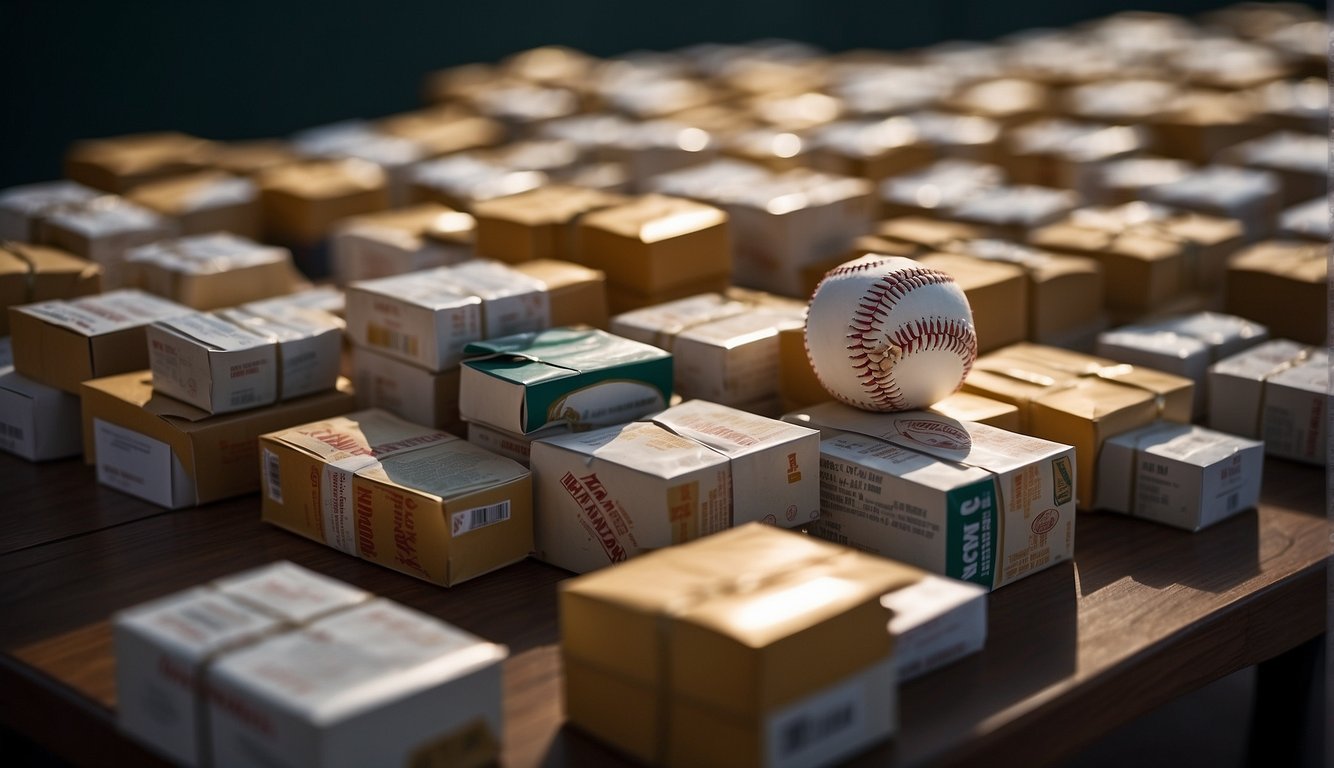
(1144, 614)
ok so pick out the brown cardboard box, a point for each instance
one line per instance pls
(462, 180)
(23, 208)
(1062, 153)
(214, 271)
(420, 501)
(540, 224)
(1283, 285)
(204, 202)
(32, 273)
(301, 202)
(1078, 399)
(797, 384)
(963, 406)
(1117, 182)
(1009, 101)
(176, 455)
(1300, 160)
(64, 343)
(1201, 123)
(407, 391)
(102, 231)
(670, 662)
(997, 294)
(1119, 101)
(926, 234)
(576, 294)
(656, 243)
(872, 149)
(399, 240)
(444, 130)
(1251, 197)
(123, 162)
(249, 158)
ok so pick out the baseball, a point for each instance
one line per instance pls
(885, 333)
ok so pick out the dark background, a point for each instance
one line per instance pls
(245, 69)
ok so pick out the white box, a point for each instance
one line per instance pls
(419, 318)
(393, 243)
(162, 648)
(409, 392)
(23, 208)
(310, 346)
(774, 464)
(1178, 474)
(659, 324)
(604, 496)
(378, 684)
(37, 422)
(733, 360)
(325, 298)
(960, 499)
(213, 364)
(937, 621)
(510, 444)
(1278, 392)
(512, 302)
(103, 230)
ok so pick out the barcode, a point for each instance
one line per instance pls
(479, 517)
(273, 475)
(379, 336)
(811, 729)
(11, 431)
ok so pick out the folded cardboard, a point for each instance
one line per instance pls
(411, 498)
(301, 202)
(1179, 474)
(1276, 391)
(212, 364)
(1078, 399)
(37, 422)
(309, 342)
(997, 294)
(420, 318)
(539, 224)
(935, 622)
(164, 648)
(64, 343)
(714, 652)
(203, 202)
(1283, 285)
(32, 273)
(578, 376)
(397, 241)
(656, 243)
(175, 455)
(408, 391)
(120, 163)
(212, 271)
(956, 498)
(103, 231)
(23, 208)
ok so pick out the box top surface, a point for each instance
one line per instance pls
(642, 447)
(529, 358)
(106, 312)
(654, 218)
(446, 470)
(197, 622)
(1186, 443)
(730, 431)
(213, 332)
(372, 432)
(433, 289)
(136, 389)
(287, 591)
(1263, 360)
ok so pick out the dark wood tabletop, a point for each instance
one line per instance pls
(1145, 613)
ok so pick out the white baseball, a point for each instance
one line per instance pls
(885, 333)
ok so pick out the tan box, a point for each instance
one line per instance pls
(733, 360)
(64, 343)
(1278, 392)
(444, 131)
(301, 202)
(204, 202)
(664, 660)
(1008, 100)
(462, 180)
(123, 162)
(103, 231)
(1126, 180)
(963, 406)
(1142, 271)
(417, 500)
(360, 140)
(249, 158)
(213, 271)
(621, 300)
(997, 294)
(926, 234)
(656, 243)
(23, 208)
(660, 324)
(1201, 123)
(1078, 399)
(576, 295)
(1056, 152)
(399, 240)
(871, 149)
(175, 455)
(1306, 221)
(798, 385)
(407, 391)
(1283, 285)
(1120, 101)
(539, 224)
(32, 273)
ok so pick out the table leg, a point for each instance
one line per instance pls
(1289, 722)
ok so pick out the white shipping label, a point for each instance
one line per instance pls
(807, 731)
(18, 424)
(338, 504)
(479, 517)
(133, 463)
(273, 477)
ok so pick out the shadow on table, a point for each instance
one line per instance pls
(1212, 560)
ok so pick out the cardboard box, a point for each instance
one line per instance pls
(926, 234)
(213, 271)
(1276, 391)
(323, 299)
(397, 241)
(963, 406)
(411, 498)
(421, 318)
(121, 163)
(361, 140)
(511, 445)
(656, 243)
(582, 377)
(212, 364)
(621, 299)
(956, 498)
(32, 273)
(773, 148)
(798, 385)
(936, 622)
(967, 137)
(204, 202)
(1306, 221)
(23, 208)
(407, 391)
(732, 360)
(64, 343)
(660, 324)
(1283, 285)
(164, 648)
(1117, 182)
(1077, 399)
(576, 295)
(871, 149)
(37, 422)
(1185, 345)
(175, 455)
(1299, 160)
(443, 131)
(309, 342)
(997, 295)
(1008, 101)
(1012, 211)
(512, 302)
(301, 202)
(461, 181)
(1065, 293)
(378, 683)
(538, 224)
(665, 661)
(1200, 123)
(1180, 475)
(103, 231)
(1120, 101)
(1248, 196)
(937, 188)
(1056, 152)
(249, 158)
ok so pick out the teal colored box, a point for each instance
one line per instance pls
(580, 377)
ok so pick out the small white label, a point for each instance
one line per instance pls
(273, 476)
(133, 463)
(809, 728)
(479, 517)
